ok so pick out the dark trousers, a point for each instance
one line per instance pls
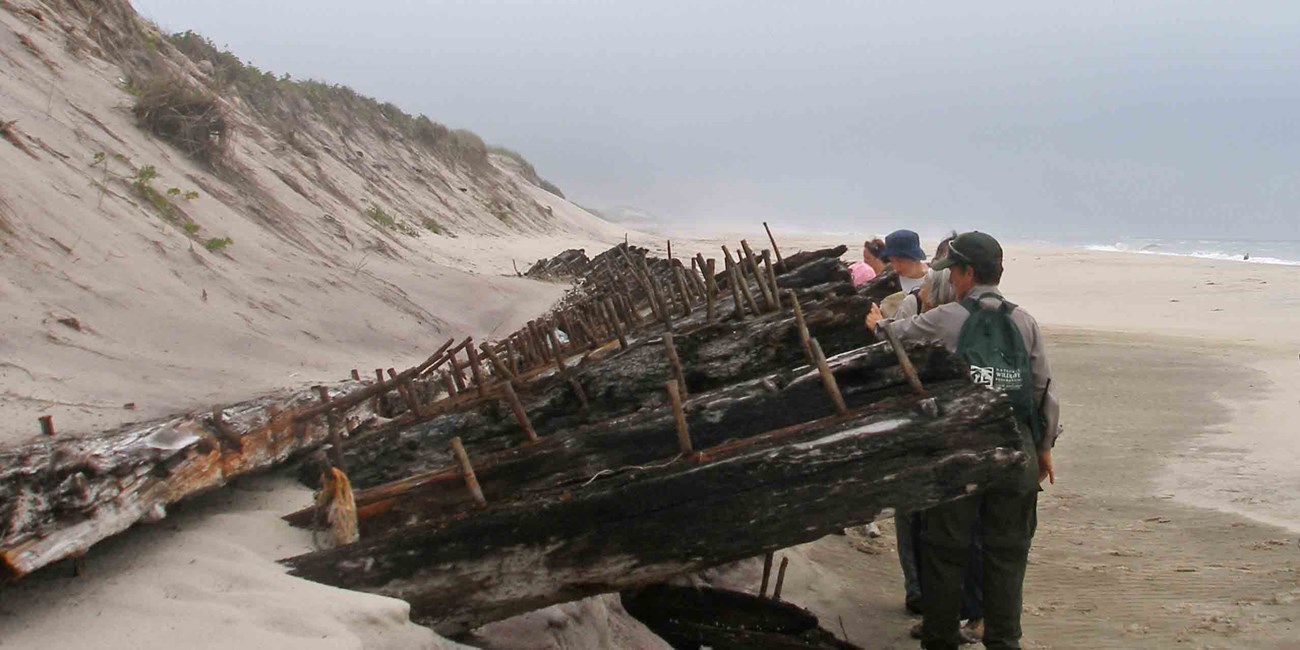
(908, 527)
(1008, 518)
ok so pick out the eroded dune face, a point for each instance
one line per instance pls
(143, 275)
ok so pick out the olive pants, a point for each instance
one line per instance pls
(1009, 516)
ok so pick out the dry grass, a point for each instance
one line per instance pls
(189, 117)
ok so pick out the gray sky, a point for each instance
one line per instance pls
(1028, 119)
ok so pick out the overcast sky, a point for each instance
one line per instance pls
(1028, 119)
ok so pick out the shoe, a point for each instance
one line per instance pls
(972, 631)
(913, 606)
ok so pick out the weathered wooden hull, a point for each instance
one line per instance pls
(642, 526)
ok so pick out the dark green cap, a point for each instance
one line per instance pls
(970, 248)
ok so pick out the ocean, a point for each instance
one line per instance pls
(1285, 252)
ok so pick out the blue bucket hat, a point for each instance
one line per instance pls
(903, 243)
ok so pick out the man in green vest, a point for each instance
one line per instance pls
(1008, 509)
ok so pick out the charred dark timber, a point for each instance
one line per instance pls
(624, 381)
(781, 488)
(868, 377)
(695, 617)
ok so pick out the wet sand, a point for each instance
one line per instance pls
(1118, 561)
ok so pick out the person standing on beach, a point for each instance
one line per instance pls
(1008, 508)
(871, 264)
(903, 252)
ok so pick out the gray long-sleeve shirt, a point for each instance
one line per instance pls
(943, 324)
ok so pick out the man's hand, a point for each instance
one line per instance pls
(1045, 469)
(874, 317)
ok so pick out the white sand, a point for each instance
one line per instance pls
(312, 289)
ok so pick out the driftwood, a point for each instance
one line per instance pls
(781, 488)
(695, 617)
(59, 497)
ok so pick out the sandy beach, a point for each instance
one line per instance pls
(1173, 520)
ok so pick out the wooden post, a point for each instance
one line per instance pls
(743, 283)
(377, 402)
(335, 430)
(498, 365)
(407, 391)
(455, 372)
(555, 345)
(475, 368)
(683, 433)
(643, 281)
(517, 408)
(711, 291)
(828, 378)
(47, 425)
(780, 578)
(670, 250)
(779, 259)
(767, 573)
(618, 324)
(739, 283)
(771, 280)
(732, 280)
(356, 375)
(449, 384)
(752, 264)
(510, 352)
(675, 364)
(680, 276)
(804, 338)
(904, 362)
(467, 471)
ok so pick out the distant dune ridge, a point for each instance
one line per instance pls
(178, 228)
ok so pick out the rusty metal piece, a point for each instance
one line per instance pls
(767, 573)
(580, 393)
(675, 364)
(498, 366)
(681, 289)
(555, 345)
(475, 367)
(377, 402)
(47, 425)
(779, 259)
(780, 578)
(511, 355)
(771, 279)
(904, 362)
(456, 375)
(618, 324)
(752, 263)
(711, 291)
(679, 415)
(804, 338)
(517, 408)
(467, 471)
(335, 431)
(828, 378)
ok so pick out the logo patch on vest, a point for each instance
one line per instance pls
(1001, 379)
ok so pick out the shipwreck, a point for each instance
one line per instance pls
(664, 418)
